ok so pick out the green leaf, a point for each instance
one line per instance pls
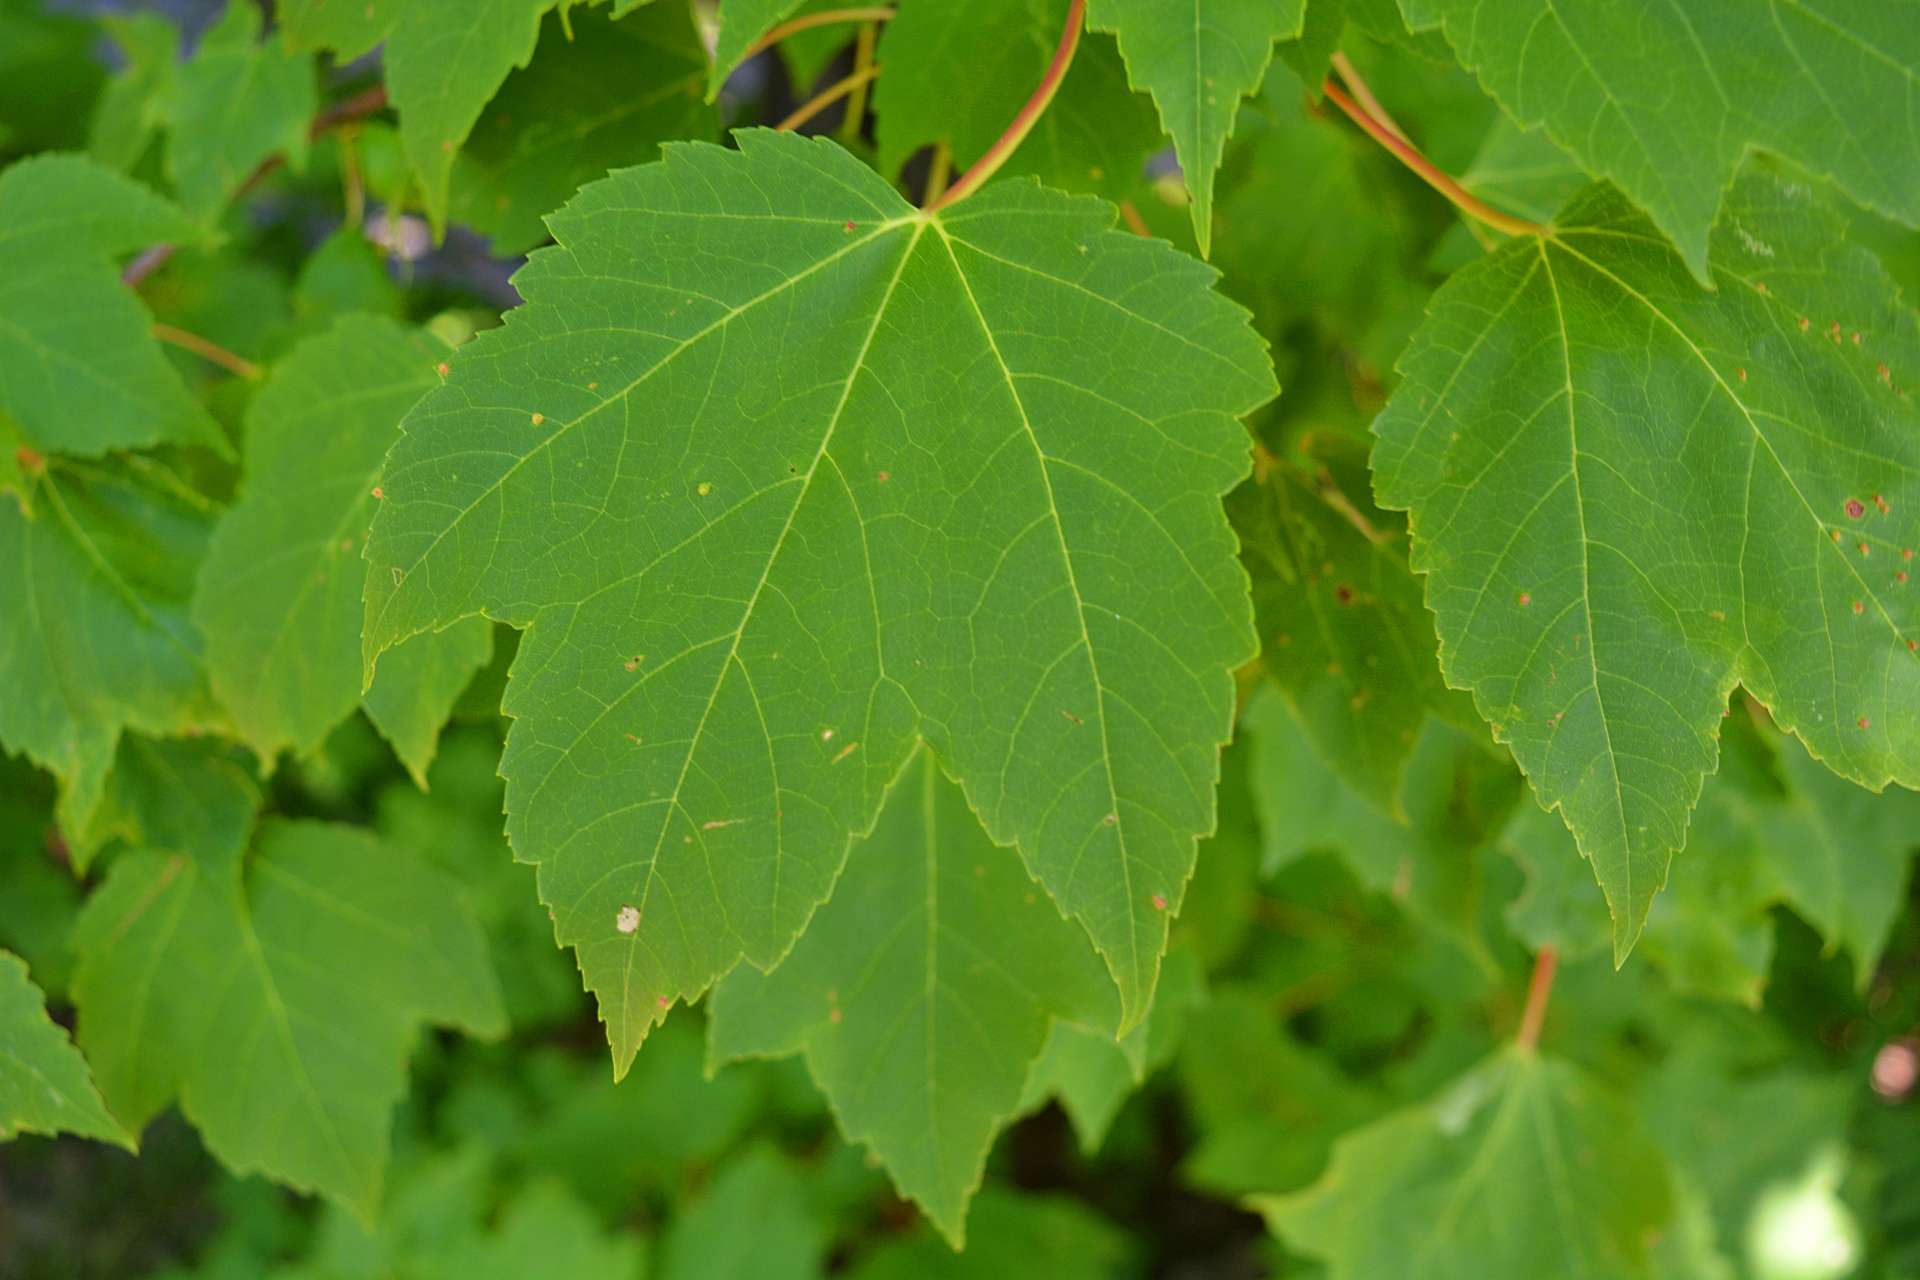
(279, 1013)
(1344, 633)
(48, 78)
(1267, 1107)
(707, 1242)
(604, 97)
(235, 104)
(414, 691)
(1521, 171)
(922, 993)
(444, 60)
(39, 897)
(44, 1085)
(132, 111)
(79, 369)
(1092, 1074)
(94, 636)
(175, 794)
(279, 594)
(1014, 1237)
(1666, 102)
(1629, 494)
(1095, 137)
(543, 1231)
(1524, 1167)
(741, 23)
(1198, 61)
(759, 587)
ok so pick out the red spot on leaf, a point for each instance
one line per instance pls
(1805, 323)
(1159, 902)
(1343, 594)
(377, 493)
(441, 368)
(1859, 607)
(1525, 598)
(1856, 508)
(849, 226)
(1863, 722)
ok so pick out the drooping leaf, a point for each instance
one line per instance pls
(742, 22)
(44, 1085)
(759, 586)
(233, 105)
(1526, 1166)
(1198, 60)
(174, 794)
(1629, 494)
(79, 369)
(94, 635)
(602, 97)
(922, 993)
(1666, 101)
(1094, 137)
(1014, 1237)
(1343, 631)
(707, 1242)
(279, 1011)
(444, 60)
(279, 594)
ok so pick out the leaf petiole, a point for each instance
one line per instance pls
(878, 13)
(997, 155)
(827, 97)
(1440, 181)
(239, 366)
(1538, 990)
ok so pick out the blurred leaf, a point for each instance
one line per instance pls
(132, 110)
(1013, 1237)
(48, 78)
(175, 795)
(712, 1239)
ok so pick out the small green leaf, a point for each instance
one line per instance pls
(603, 98)
(235, 104)
(79, 370)
(1198, 60)
(94, 636)
(1526, 1166)
(279, 1013)
(181, 795)
(1521, 171)
(741, 23)
(1629, 494)
(44, 1085)
(279, 594)
(759, 588)
(131, 111)
(922, 993)
(414, 690)
(1666, 101)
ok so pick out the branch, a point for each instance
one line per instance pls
(1537, 992)
(1022, 125)
(807, 21)
(1410, 156)
(239, 366)
(1364, 95)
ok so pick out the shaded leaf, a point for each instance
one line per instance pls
(279, 1013)
(706, 1242)
(415, 689)
(922, 993)
(79, 369)
(44, 1085)
(1014, 1237)
(760, 587)
(183, 795)
(1526, 1166)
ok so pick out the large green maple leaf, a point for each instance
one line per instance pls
(1198, 60)
(923, 993)
(784, 475)
(1667, 99)
(278, 1006)
(1630, 493)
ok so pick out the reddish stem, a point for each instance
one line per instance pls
(1363, 94)
(1439, 181)
(1537, 993)
(239, 366)
(1022, 125)
(806, 21)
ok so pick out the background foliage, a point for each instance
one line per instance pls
(830, 625)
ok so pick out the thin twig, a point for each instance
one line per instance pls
(879, 13)
(1135, 223)
(1410, 156)
(1538, 990)
(826, 98)
(145, 263)
(239, 366)
(998, 154)
(1364, 95)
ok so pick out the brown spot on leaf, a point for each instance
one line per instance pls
(1856, 508)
